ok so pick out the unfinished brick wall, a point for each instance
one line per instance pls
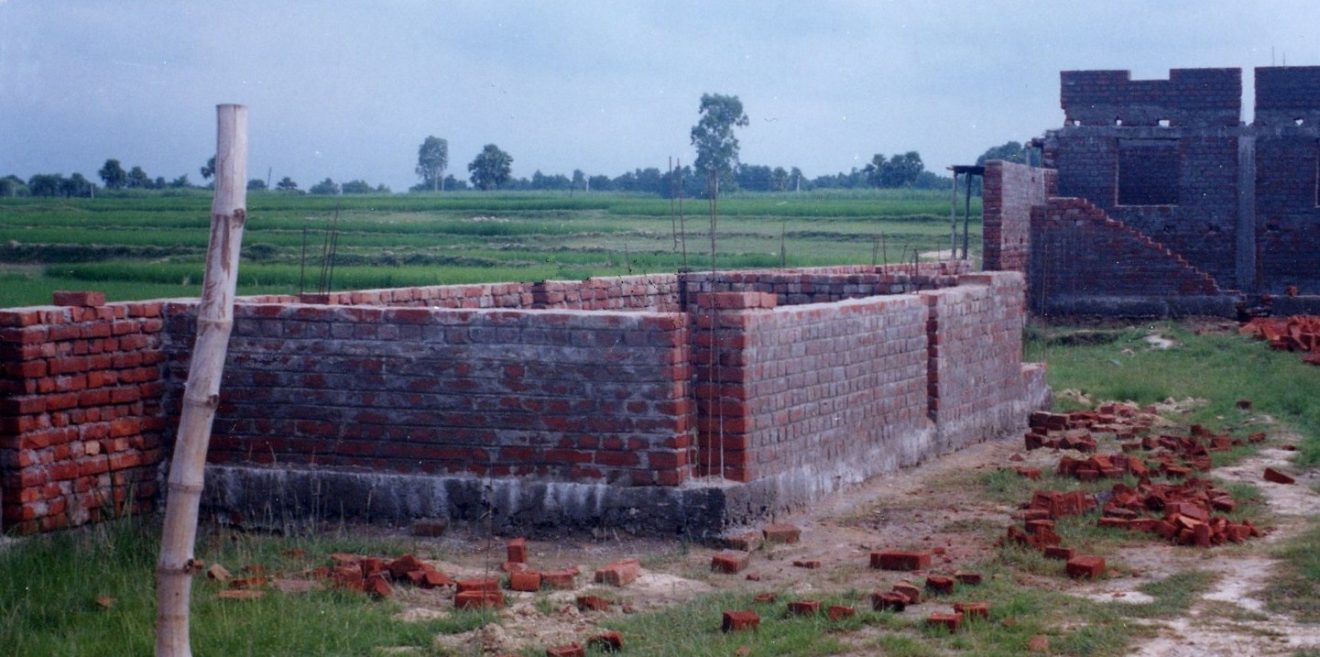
(80, 413)
(386, 404)
(559, 394)
(793, 388)
(1009, 192)
(974, 357)
(1190, 97)
(1287, 129)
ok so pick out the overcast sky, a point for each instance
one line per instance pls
(349, 89)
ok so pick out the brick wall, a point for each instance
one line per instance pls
(974, 357)
(565, 395)
(826, 284)
(1201, 96)
(788, 388)
(1287, 172)
(1009, 192)
(658, 292)
(80, 413)
(1079, 253)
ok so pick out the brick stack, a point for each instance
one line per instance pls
(80, 413)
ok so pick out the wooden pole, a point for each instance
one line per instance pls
(215, 319)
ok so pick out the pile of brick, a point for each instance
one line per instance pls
(1296, 333)
(1180, 513)
(377, 577)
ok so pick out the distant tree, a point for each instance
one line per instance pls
(326, 187)
(12, 185)
(256, 185)
(450, 182)
(795, 179)
(181, 182)
(76, 185)
(601, 183)
(46, 184)
(208, 169)
(382, 189)
(286, 184)
(113, 175)
(432, 160)
(754, 177)
(355, 187)
(779, 179)
(579, 180)
(138, 179)
(491, 167)
(1009, 152)
(898, 171)
(717, 146)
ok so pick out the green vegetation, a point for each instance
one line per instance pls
(49, 587)
(1295, 588)
(1219, 367)
(143, 245)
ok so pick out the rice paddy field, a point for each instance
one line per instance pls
(149, 246)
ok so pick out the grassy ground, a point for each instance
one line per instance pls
(152, 246)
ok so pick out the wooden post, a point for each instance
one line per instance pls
(215, 318)
(953, 217)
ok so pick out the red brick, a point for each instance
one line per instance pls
(739, 621)
(478, 600)
(804, 608)
(1277, 477)
(528, 581)
(809, 564)
(435, 579)
(610, 641)
(939, 583)
(730, 561)
(900, 560)
(478, 584)
(1057, 552)
(837, 613)
(377, 587)
(782, 533)
(592, 603)
(968, 578)
(973, 609)
(564, 578)
(619, 573)
(516, 549)
(1086, 567)
(951, 622)
(88, 298)
(888, 600)
(910, 591)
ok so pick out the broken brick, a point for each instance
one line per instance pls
(592, 603)
(739, 621)
(1274, 476)
(1086, 567)
(377, 587)
(619, 573)
(909, 591)
(729, 561)
(782, 533)
(399, 568)
(810, 564)
(900, 560)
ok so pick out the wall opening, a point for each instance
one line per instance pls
(1149, 171)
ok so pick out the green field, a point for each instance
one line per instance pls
(146, 246)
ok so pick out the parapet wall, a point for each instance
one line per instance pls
(768, 390)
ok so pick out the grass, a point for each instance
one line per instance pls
(1220, 368)
(1295, 588)
(49, 586)
(136, 246)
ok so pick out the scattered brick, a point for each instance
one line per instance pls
(570, 650)
(619, 573)
(888, 600)
(909, 591)
(610, 641)
(399, 568)
(837, 613)
(973, 609)
(950, 622)
(1086, 567)
(939, 583)
(782, 533)
(729, 561)
(765, 598)
(804, 608)
(739, 621)
(527, 581)
(377, 587)
(516, 550)
(83, 299)
(1274, 476)
(478, 584)
(1058, 552)
(434, 579)
(745, 541)
(968, 578)
(810, 564)
(564, 578)
(218, 573)
(900, 560)
(478, 599)
(105, 601)
(592, 603)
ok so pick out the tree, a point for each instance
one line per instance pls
(795, 179)
(181, 182)
(432, 160)
(12, 185)
(491, 167)
(779, 179)
(286, 184)
(256, 185)
(76, 185)
(45, 184)
(1010, 152)
(138, 179)
(717, 146)
(579, 180)
(326, 187)
(113, 175)
(208, 169)
(355, 187)
(898, 171)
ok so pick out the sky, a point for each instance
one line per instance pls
(348, 90)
